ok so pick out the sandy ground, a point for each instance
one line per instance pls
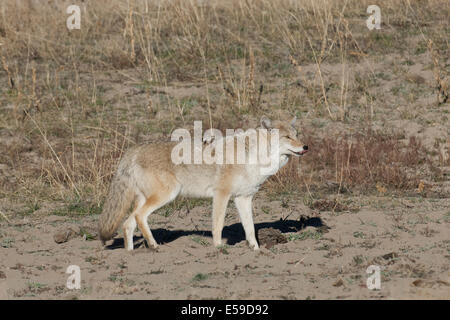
(325, 257)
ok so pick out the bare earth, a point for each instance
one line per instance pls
(407, 238)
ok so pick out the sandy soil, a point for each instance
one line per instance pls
(326, 255)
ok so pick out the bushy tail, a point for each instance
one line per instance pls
(118, 202)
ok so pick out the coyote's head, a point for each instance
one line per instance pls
(289, 144)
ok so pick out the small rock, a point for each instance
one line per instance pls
(338, 283)
(415, 78)
(270, 237)
(66, 234)
(422, 283)
(390, 256)
(2, 275)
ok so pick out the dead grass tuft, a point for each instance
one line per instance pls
(369, 160)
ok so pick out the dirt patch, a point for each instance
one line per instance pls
(269, 237)
(329, 205)
(300, 257)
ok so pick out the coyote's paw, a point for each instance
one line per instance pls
(218, 243)
(152, 247)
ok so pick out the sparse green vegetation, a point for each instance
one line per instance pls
(7, 242)
(359, 234)
(78, 208)
(200, 241)
(200, 277)
(309, 234)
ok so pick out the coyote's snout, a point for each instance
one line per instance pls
(148, 178)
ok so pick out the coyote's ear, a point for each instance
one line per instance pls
(293, 121)
(266, 123)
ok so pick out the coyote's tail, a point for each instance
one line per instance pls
(117, 204)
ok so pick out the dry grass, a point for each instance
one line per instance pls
(367, 161)
(63, 132)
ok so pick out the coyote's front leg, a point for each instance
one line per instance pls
(220, 202)
(244, 206)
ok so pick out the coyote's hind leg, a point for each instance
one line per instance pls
(152, 203)
(130, 224)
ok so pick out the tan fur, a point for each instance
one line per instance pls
(147, 176)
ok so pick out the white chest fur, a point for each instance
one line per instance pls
(249, 183)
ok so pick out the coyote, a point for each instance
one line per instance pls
(147, 177)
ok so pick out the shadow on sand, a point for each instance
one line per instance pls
(232, 234)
